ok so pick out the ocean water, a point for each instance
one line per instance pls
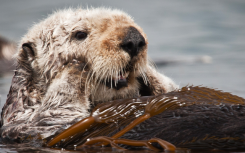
(193, 42)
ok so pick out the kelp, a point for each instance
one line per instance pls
(115, 118)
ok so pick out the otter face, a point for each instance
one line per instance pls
(119, 53)
(116, 53)
(113, 47)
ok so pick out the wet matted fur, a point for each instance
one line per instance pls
(71, 61)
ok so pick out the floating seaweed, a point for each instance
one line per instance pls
(192, 117)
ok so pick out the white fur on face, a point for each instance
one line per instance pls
(56, 45)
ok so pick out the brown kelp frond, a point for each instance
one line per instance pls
(112, 116)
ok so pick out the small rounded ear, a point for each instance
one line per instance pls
(28, 51)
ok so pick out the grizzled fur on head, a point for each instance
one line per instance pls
(71, 60)
(54, 44)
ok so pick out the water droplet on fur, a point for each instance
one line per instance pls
(189, 89)
(88, 139)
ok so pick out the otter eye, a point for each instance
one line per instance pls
(80, 35)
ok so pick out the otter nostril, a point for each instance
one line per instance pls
(141, 44)
(133, 42)
(129, 46)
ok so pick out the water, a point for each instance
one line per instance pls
(179, 33)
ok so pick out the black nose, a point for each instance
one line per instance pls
(133, 42)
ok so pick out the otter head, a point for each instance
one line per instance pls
(116, 51)
(111, 45)
(72, 59)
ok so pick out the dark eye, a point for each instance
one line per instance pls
(80, 35)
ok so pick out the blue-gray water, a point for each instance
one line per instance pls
(179, 32)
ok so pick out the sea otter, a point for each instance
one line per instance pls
(71, 61)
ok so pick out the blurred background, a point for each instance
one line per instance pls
(194, 42)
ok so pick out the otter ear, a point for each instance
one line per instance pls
(28, 51)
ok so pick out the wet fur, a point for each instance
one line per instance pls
(58, 78)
